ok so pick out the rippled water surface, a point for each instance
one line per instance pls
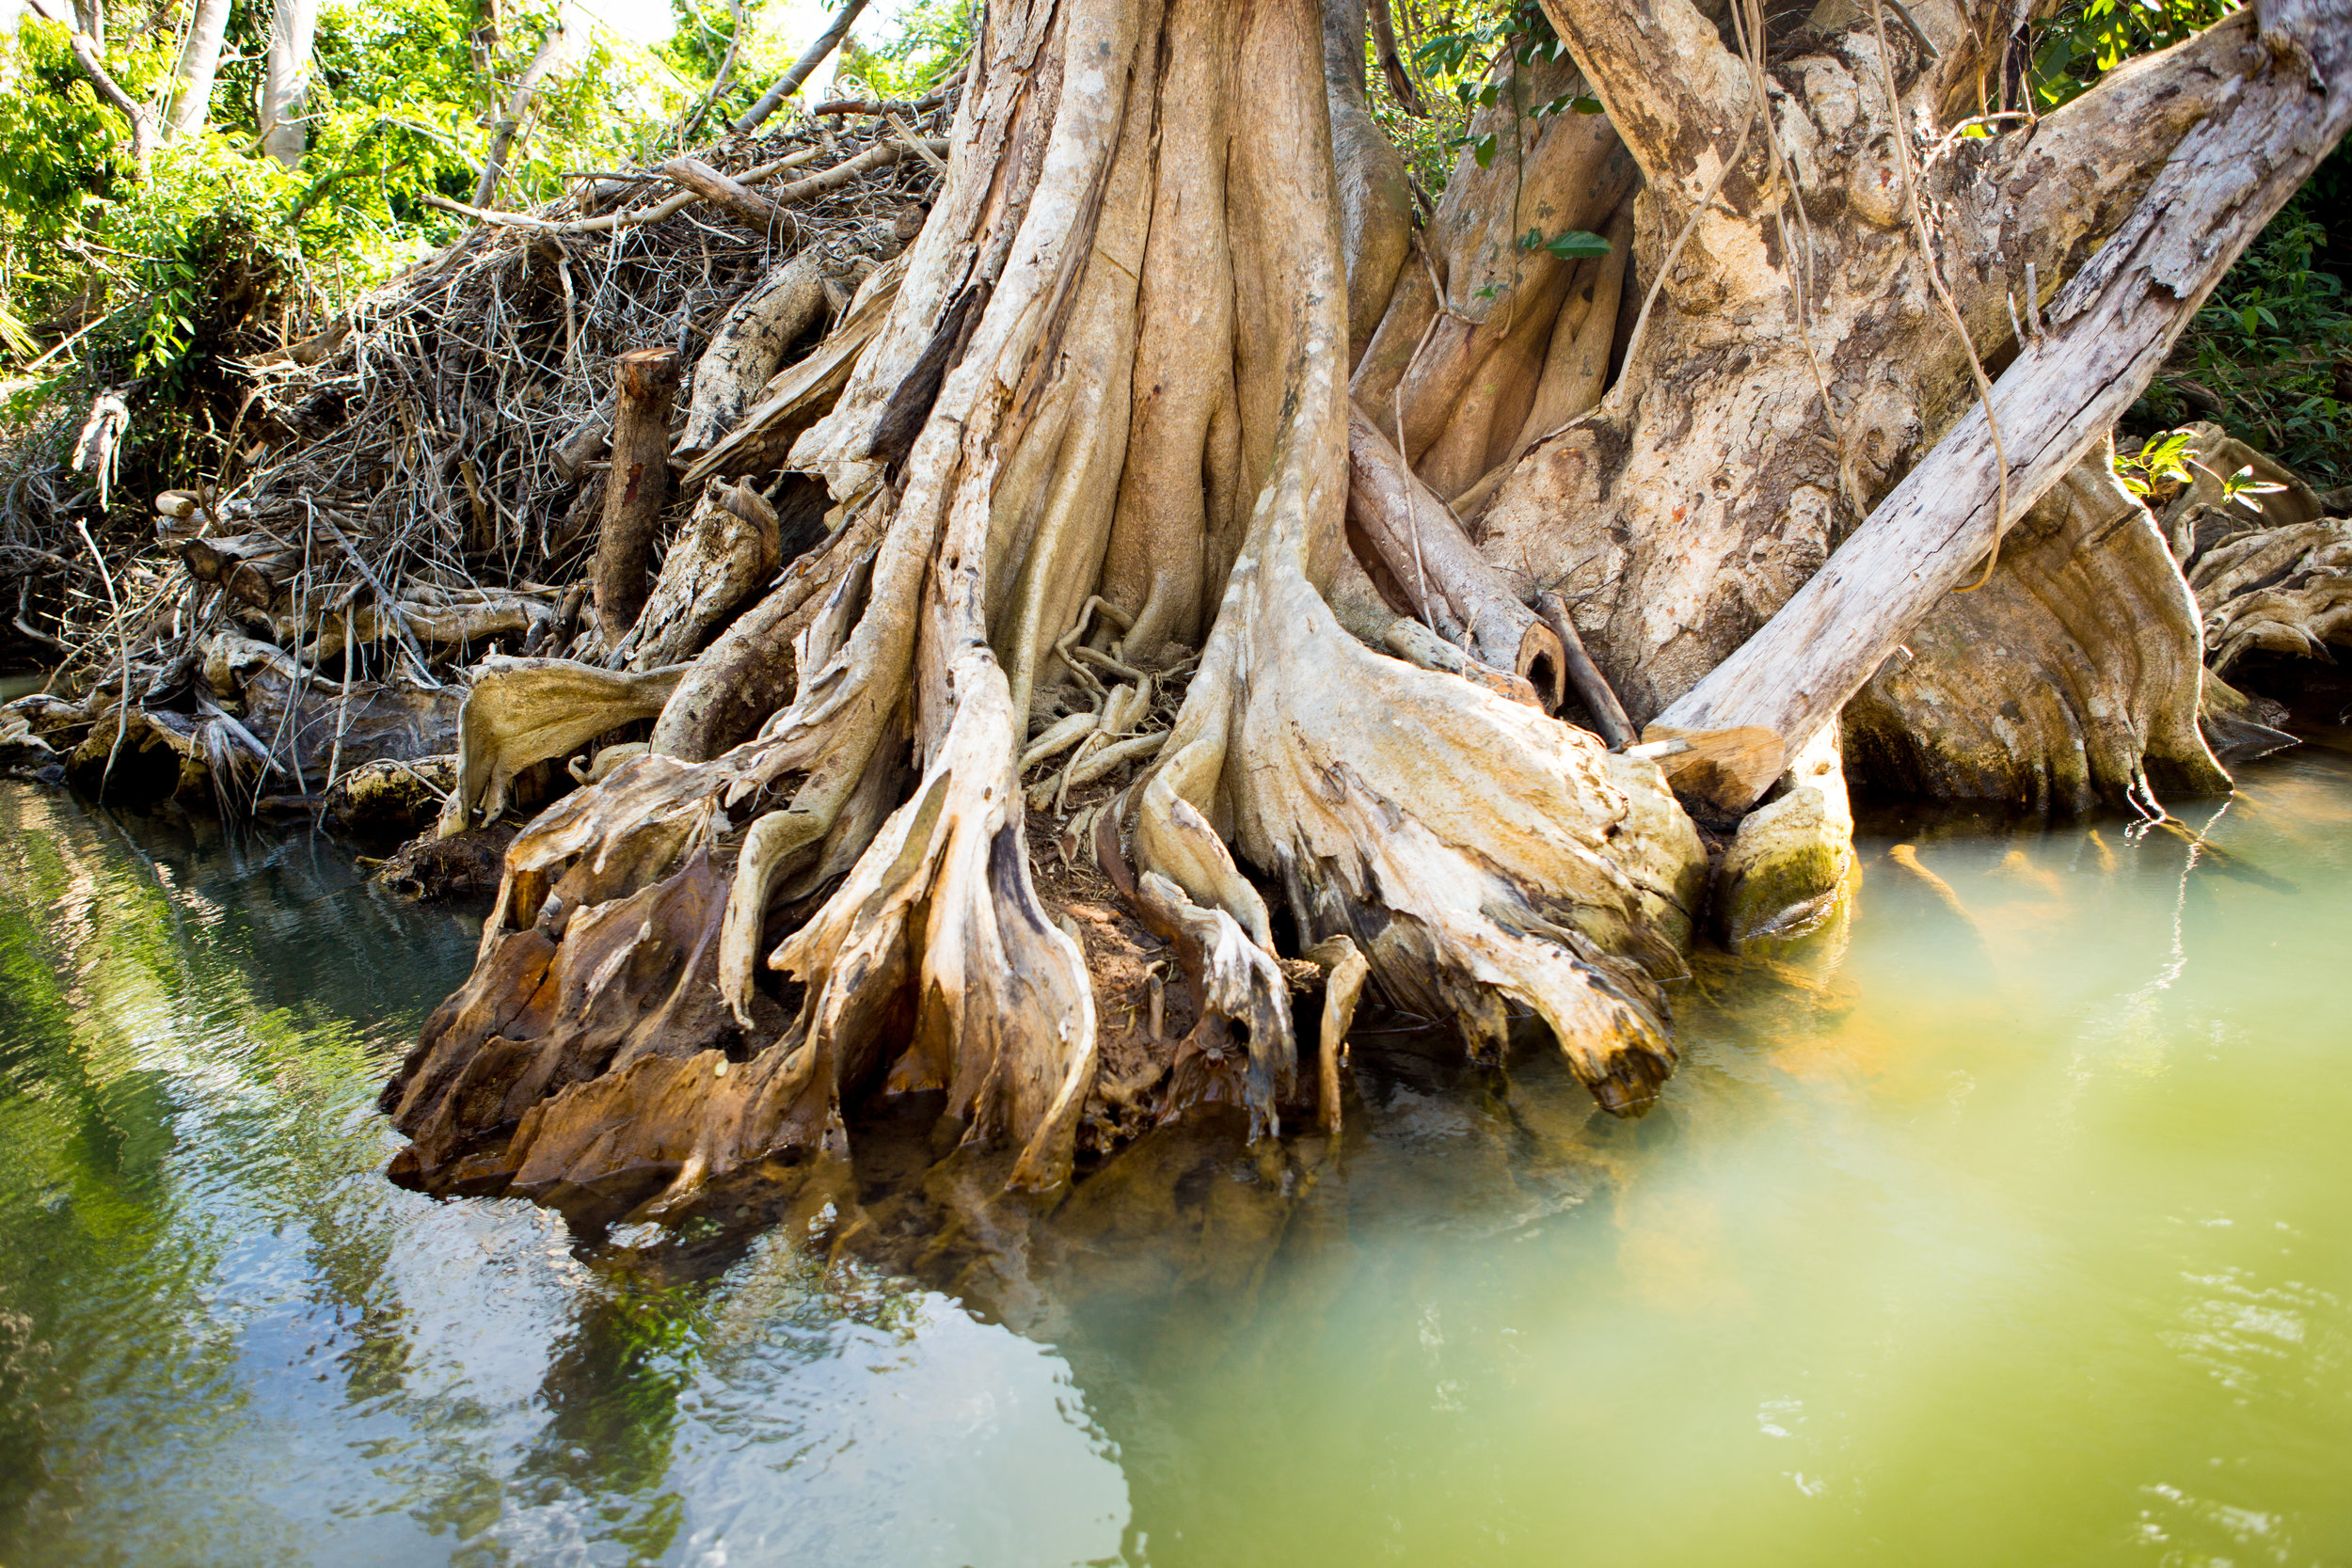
(2011, 1223)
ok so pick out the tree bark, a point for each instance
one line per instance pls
(2073, 680)
(2111, 327)
(286, 79)
(542, 60)
(748, 350)
(1448, 583)
(192, 76)
(644, 381)
(800, 69)
(1090, 452)
(1715, 480)
(1071, 465)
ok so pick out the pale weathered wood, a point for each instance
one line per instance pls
(723, 556)
(748, 349)
(1584, 678)
(2110, 330)
(721, 191)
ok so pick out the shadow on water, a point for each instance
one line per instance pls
(1997, 1219)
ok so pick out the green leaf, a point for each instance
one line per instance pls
(1484, 150)
(1587, 104)
(1575, 244)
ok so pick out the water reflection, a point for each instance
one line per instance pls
(1998, 1222)
(225, 1339)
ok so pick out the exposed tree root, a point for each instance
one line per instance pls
(2071, 679)
(1146, 682)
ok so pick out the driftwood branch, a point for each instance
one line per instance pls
(840, 174)
(725, 192)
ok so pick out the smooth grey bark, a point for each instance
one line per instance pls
(191, 98)
(790, 83)
(286, 79)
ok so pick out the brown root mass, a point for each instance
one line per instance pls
(1033, 695)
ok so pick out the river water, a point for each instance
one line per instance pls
(2008, 1224)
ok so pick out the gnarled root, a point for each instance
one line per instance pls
(2285, 591)
(1244, 1003)
(749, 348)
(525, 710)
(995, 450)
(1466, 889)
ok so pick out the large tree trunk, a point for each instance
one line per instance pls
(1121, 351)
(1091, 469)
(1715, 482)
(2273, 105)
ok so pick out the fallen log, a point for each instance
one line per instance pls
(747, 351)
(718, 560)
(2069, 680)
(475, 621)
(804, 393)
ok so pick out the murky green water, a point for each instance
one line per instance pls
(2017, 1229)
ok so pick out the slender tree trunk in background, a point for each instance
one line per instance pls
(192, 78)
(1104, 434)
(542, 60)
(484, 41)
(1400, 80)
(286, 79)
(800, 69)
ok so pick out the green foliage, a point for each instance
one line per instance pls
(932, 37)
(2086, 38)
(1572, 244)
(60, 150)
(2273, 346)
(2162, 459)
(222, 253)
